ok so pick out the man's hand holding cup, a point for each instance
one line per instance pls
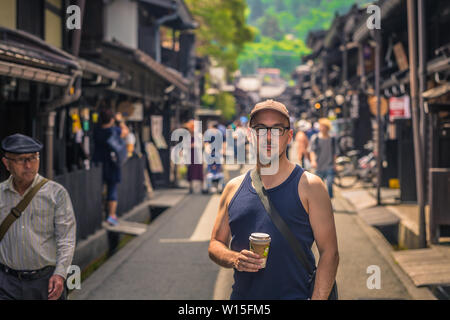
(248, 261)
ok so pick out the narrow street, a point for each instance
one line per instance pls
(358, 252)
(170, 261)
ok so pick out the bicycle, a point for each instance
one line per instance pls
(352, 167)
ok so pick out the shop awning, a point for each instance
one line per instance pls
(333, 35)
(387, 8)
(33, 74)
(437, 91)
(167, 74)
(93, 69)
(160, 8)
(25, 56)
(438, 65)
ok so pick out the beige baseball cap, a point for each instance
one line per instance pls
(270, 105)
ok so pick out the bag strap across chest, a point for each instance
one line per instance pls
(16, 212)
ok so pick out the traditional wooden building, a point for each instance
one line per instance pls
(53, 81)
(126, 35)
(406, 64)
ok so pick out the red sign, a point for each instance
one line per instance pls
(399, 108)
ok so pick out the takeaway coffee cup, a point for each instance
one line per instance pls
(259, 244)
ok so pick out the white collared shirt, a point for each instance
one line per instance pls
(45, 234)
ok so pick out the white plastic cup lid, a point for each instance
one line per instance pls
(259, 237)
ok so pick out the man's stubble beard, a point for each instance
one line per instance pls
(271, 162)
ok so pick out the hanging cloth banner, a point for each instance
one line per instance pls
(157, 132)
(153, 158)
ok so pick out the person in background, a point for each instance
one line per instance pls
(214, 170)
(104, 155)
(314, 129)
(130, 138)
(223, 131)
(195, 170)
(240, 140)
(302, 142)
(323, 154)
(215, 173)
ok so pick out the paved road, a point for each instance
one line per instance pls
(357, 252)
(170, 261)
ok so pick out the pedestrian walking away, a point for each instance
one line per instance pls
(302, 202)
(323, 152)
(214, 169)
(37, 227)
(301, 141)
(104, 154)
(195, 168)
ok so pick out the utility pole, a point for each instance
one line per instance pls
(76, 39)
(379, 122)
(422, 88)
(418, 157)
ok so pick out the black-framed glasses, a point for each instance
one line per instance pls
(23, 160)
(276, 131)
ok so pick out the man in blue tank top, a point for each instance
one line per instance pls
(302, 201)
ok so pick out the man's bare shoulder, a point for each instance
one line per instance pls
(234, 183)
(311, 189)
(310, 184)
(309, 179)
(231, 188)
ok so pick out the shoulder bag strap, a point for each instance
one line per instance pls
(16, 212)
(279, 222)
(286, 231)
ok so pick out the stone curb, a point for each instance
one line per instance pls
(385, 249)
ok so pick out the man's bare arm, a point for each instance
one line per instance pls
(218, 247)
(318, 205)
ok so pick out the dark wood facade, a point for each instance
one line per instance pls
(343, 62)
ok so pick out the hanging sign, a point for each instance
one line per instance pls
(157, 132)
(399, 108)
(153, 158)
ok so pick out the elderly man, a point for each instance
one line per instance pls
(37, 240)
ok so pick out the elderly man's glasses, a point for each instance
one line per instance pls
(23, 160)
(276, 131)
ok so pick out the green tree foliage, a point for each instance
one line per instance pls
(282, 28)
(222, 35)
(269, 26)
(223, 101)
(268, 52)
(223, 30)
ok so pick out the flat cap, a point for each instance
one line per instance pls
(19, 143)
(270, 105)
